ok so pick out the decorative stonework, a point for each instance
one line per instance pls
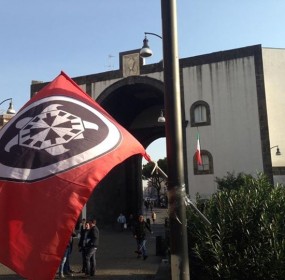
(131, 65)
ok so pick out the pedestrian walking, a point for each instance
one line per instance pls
(146, 204)
(122, 221)
(153, 216)
(131, 222)
(140, 236)
(151, 205)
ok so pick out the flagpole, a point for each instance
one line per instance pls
(174, 144)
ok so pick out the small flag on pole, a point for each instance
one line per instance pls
(53, 154)
(198, 152)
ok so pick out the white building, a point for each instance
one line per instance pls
(236, 102)
(233, 98)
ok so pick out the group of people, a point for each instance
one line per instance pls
(88, 244)
(89, 241)
(149, 204)
(129, 223)
(125, 223)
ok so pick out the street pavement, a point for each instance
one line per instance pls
(116, 258)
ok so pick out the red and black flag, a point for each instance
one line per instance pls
(53, 153)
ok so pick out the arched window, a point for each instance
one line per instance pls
(207, 164)
(200, 113)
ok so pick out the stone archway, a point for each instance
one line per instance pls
(134, 102)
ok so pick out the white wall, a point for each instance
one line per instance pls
(274, 78)
(233, 138)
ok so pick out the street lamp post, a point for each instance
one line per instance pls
(278, 153)
(174, 144)
(174, 140)
(10, 109)
(7, 115)
(145, 50)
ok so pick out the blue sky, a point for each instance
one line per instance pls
(39, 38)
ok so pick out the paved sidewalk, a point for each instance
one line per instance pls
(116, 258)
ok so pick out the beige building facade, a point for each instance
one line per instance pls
(233, 99)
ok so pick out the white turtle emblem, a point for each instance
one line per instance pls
(49, 130)
(52, 135)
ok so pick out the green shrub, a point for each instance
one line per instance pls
(246, 239)
(231, 181)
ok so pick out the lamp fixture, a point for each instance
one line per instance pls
(11, 110)
(278, 153)
(145, 50)
(161, 118)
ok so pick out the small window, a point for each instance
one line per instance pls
(207, 164)
(200, 114)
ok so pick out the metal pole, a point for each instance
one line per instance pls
(174, 144)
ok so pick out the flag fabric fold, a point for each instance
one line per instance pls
(53, 154)
(198, 152)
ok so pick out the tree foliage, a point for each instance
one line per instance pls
(155, 178)
(231, 181)
(246, 239)
(148, 168)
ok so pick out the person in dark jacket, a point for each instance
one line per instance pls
(82, 244)
(140, 235)
(92, 242)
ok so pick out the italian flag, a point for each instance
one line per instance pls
(198, 151)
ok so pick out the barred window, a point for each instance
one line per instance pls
(207, 164)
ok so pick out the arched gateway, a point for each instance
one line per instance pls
(135, 103)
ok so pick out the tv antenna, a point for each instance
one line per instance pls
(110, 62)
